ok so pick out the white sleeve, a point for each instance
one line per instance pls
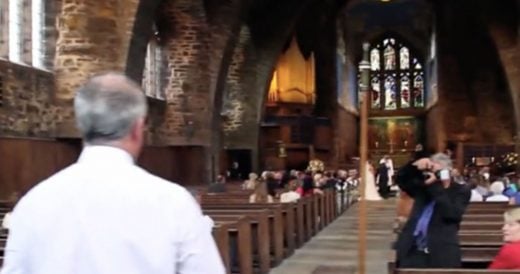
(197, 252)
(18, 242)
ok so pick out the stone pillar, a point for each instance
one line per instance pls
(187, 88)
(90, 41)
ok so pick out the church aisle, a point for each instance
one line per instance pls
(334, 249)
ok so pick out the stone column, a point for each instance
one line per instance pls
(90, 41)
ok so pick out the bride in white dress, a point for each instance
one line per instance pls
(371, 193)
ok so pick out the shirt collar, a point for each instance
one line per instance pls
(104, 154)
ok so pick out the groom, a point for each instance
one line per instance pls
(383, 178)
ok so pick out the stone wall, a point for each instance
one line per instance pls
(346, 136)
(473, 88)
(28, 108)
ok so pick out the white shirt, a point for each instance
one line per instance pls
(105, 215)
(6, 220)
(288, 197)
(475, 196)
(497, 198)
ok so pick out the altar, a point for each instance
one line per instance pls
(393, 136)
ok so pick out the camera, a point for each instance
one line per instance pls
(443, 174)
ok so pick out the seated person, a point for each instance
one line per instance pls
(291, 195)
(482, 185)
(328, 181)
(271, 183)
(475, 195)
(307, 187)
(497, 189)
(260, 194)
(219, 186)
(251, 182)
(509, 254)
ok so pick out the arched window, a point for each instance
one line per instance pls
(154, 68)
(396, 77)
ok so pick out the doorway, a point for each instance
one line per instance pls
(239, 163)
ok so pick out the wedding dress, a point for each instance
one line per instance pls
(371, 193)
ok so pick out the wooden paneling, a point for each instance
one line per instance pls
(183, 165)
(323, 137)
(26, 162)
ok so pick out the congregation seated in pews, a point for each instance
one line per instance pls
(255, 230)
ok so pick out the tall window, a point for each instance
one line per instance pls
(18, 25)
(15, 30)
(153, 69)
(396, 77)
(38, 40)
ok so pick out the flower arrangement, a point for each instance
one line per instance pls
(508, 162)
(316, 165)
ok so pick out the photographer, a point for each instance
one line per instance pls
(429, 238)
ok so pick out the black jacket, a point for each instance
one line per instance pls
(443, 242)
(382, 171)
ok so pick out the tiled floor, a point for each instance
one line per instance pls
(334, 249)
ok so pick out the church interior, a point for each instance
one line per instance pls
(241, 86)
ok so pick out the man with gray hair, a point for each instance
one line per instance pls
(430, 237)
(104, 214)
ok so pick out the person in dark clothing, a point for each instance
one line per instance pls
(382, 173)
(307, 187)
(430, 237)
(329, 182)
(272, 184)
(286, 177)
(219, 186)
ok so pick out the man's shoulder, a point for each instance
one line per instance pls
(139, 179)
(155, 182)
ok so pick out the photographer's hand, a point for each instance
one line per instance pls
(423, 164)
(431, 178)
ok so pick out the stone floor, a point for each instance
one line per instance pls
(334, 249)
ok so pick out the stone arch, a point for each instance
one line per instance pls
(262, 39)
(198, 38)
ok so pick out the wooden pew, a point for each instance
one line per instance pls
(258, 220)
(481, 226)
(483, 217)
(239, 228)
(221, 236)
(453, 271)
(305, 232)
(288, 217)
(469, 239)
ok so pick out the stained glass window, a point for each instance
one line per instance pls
(389, 58)
(374, 60)
(396, 76)
(418, 90)
(390, 93)
(376, 93)
(405, 91)
(404, 58)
